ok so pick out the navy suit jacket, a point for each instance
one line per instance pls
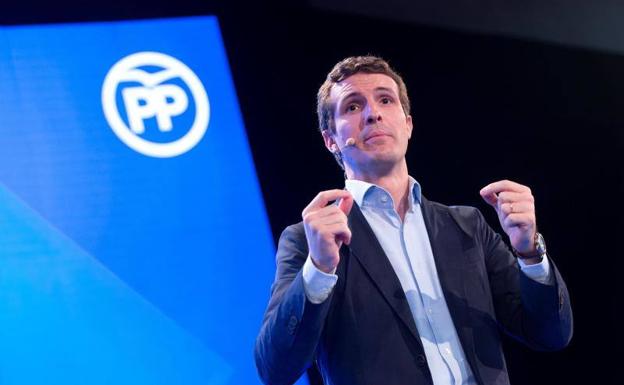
(364, 333)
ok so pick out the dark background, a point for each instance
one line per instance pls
(486, 106)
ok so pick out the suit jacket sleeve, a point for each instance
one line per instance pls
(292, 325)
(536, 314)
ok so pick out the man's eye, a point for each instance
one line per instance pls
(352, 107)
(386, 100)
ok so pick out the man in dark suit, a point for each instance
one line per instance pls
(387, 287)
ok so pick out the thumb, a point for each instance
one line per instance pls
(346, 204)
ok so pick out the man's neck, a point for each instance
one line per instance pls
(395, 182)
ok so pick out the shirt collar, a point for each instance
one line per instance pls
(363, 191)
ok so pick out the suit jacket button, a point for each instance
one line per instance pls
(421, 360)
(292, 325)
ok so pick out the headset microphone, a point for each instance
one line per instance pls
(348, 143)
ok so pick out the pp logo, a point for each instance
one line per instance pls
(154, 99)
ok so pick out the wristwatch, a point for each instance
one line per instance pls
(540, 248)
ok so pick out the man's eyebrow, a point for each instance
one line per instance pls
(351, 94)
(385, 89)
(354, 94)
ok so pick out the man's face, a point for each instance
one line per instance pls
(368, 109)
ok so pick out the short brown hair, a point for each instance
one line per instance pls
(325, 109)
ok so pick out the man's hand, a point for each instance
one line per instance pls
(326, 227)
(515, 207)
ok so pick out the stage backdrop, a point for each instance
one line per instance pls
(133, 237)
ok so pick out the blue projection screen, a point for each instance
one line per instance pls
(134, 244)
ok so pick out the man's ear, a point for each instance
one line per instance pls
(330, 142)
(410, 126)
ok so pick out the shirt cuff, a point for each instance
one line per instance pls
(317, 285)
(539, 272)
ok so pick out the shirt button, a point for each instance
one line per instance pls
(384, 198)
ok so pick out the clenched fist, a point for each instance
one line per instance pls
(326, 227)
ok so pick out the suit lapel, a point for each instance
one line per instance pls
(367, 250)
(449, 244)
(447, 250)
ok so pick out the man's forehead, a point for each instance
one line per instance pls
(363, 82)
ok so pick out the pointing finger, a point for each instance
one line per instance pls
(324, 197)
(503, 185)
(489, 197)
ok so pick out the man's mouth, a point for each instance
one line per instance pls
(375, 134)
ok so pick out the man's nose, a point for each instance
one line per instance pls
(372, 114)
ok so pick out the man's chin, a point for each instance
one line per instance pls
(385, 155)
(379, 161)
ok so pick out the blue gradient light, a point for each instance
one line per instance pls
(117, 267)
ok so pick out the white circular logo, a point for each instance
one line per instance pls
(154, 99)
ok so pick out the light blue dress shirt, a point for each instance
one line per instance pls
(407, 246)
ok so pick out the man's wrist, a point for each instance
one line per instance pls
(324, 269)
(539, 272)
(531, 260)
(538, 253)
(316, 283)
